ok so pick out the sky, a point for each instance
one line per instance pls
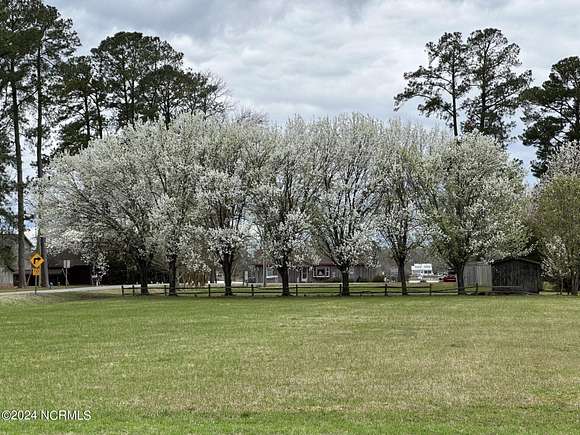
(329, 56)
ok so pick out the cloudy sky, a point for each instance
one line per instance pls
(328, 56)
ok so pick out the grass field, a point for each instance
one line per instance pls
(151, 365)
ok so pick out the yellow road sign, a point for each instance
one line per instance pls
(36, 271)
(36, 260)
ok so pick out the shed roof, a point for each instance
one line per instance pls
(508, 259)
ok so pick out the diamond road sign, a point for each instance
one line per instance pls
(36, 260)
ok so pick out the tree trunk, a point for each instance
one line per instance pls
(99, 121)
(283, 271)
(460, 281)
(173, 275)
(402, 276)
(19, 184)
(345, 283)
(143, 266)
(227, 269)
(87, 120)
(454, 102)
(44, 280)
(575, 284)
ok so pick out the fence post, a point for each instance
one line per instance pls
(296, 293)
(340, 289)
(133, 288)
(208, 290)
(476, 288)
(386, 289)
(430, 288)
(252, 290)
(122, 290)
(164, 289)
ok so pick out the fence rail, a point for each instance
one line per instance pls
(367, 289)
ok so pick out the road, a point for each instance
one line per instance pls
(61, 290)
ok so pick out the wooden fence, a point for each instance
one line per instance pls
(319, 290)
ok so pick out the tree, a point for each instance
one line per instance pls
(472, 200)
(282, 201)
(205, 93)
(18, 36)
(173, 169)
(126, 58)
(55, 42)
(556, 216)
(559, 228)
(443, 83)
(232, 153)
(398, 217)
(169, 91)
(102, 198)
(163, 93)
(6, 184)
(349, 184)
(492, 60)
(82, 101)
(552, 113)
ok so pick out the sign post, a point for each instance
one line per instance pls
(36, 274)
(36, 260)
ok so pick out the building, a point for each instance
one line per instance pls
(78, 272)
(324, 271)
(422, 269)
(9, 260)
(477, 272)
(515, 275)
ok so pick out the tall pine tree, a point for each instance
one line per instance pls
(55, 42)
(552, 112)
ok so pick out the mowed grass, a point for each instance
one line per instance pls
(152, 365)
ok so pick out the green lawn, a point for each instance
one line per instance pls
(152, 365)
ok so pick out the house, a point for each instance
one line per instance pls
(515, 275)
(323, 271)
(9, 259)
(78, 272)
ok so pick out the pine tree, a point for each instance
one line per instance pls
(18, 36)
(55, 41)
(552, 113)
(492, 61)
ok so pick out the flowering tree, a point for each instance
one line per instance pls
(471, 197)
(101, 200)
(282, 201)
(232, 154)
(174, 177)
(556, 217)
(349, 184)
(398, 217)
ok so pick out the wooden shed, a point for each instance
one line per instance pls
(516, 275)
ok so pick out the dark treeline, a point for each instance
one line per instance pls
(56, 100)
(476, 83)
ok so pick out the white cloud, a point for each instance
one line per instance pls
(329, 56)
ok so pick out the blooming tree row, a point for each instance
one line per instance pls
(195, 191)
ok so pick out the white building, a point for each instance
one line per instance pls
(420, 269)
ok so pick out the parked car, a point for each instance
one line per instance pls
(449, 278)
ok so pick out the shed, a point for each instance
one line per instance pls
(477, 272)
(516, 275)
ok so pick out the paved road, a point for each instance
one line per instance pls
(61, 290)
